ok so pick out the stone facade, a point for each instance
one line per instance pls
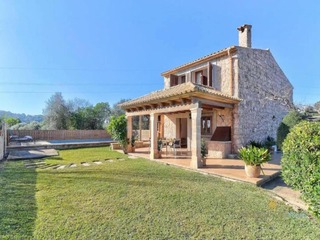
(254, 76)
(221, 74)
(240, 88)
(266, 95)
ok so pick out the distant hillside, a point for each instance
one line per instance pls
(23, 117)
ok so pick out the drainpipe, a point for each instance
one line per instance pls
(231, 72)
(231, 93)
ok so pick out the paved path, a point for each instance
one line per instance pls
(31, 154)
(292, 197)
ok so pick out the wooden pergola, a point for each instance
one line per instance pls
(184, 98)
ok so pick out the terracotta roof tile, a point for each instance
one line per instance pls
(211, 55)
(180, 89)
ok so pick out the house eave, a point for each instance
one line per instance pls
(187, 94)
(221, 53)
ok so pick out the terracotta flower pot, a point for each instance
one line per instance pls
(158, 155)
(253, 171)
(204, 161)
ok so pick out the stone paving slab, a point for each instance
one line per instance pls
(278, 187)
(31, 154)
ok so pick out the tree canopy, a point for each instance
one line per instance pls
(75, 114)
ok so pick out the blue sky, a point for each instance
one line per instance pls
(103, 51)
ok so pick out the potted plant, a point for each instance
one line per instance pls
(253, 158)
(131, 144)
(159, 147)
(117, 127)
(204, 152)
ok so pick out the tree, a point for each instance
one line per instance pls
(117, 128)
(34, 125)
(102, 114)
(317, 106)
(12, 121)
(116, 110)
(56, 114)
(90, 117)
(78, 103)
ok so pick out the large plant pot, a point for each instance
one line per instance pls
(131, 149)
(158, 155)
(253, 171)
(204, 161)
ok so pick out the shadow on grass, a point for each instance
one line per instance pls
(18, 209)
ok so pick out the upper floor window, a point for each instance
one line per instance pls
(200, 77)
(175, 80)
(183, 78)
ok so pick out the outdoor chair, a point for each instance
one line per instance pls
(175, 144)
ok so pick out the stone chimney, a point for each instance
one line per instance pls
(245, 35)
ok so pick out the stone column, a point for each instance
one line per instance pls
(129, 132)
(140, 127)
(189, 131)
(196, 137)
(153, 135)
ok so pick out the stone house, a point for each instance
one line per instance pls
(228, 97)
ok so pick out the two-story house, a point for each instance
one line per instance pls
(229, 97)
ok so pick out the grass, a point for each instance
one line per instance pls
(139, 199)
(18, 208)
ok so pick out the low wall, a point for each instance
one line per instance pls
(145, 134)
(60, 134)
(217, 149)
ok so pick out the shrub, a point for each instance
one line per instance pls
(252, 155)
(204, 148)
(289, 121)
(301, 162)
(269, 142)
(117, 127)
(255, 144)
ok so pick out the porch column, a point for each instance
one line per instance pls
(189, 137)
(140, 127)
(129, 132)
(153, 135)
(196, 137)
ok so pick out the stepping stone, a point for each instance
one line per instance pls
(61, 167)
(56, 166)
(73, 165)
(121, 159)
(45, 166)
(40, 163)
(109, 160)
(85, 164)
(31, 166)
(97, 162)
(133, 157)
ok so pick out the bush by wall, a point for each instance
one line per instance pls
(301, 162)
(289, 121)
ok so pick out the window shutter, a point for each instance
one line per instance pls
(172, 78)
(204, 80)
(210, 74)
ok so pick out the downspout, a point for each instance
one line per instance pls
(231, 72)
(231, 93)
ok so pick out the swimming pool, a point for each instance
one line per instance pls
(80, 140)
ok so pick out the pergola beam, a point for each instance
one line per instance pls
(169, 109)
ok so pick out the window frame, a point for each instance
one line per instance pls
(204, 130)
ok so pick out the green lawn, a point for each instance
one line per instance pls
(137, 199)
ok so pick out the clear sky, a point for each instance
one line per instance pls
(103, 51)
